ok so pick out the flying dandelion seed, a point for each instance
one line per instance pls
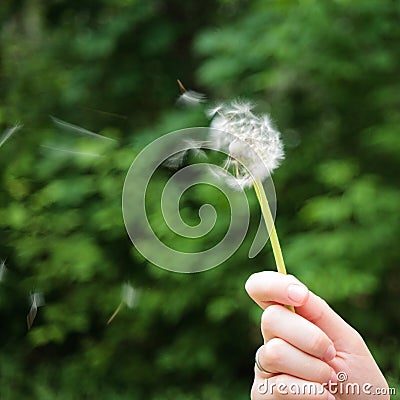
(190, 97)
(129, 297)
(9, 132)
(3, 269)
(176, 160)
(78, 129)
(37, 301)
(80, 153)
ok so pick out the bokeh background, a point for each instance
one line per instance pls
(327, 72)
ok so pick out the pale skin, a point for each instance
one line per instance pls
(312, 345)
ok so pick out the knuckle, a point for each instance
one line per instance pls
(273, 351)
(319, 344)
(270, 316)
(356, 335)
(356, 341)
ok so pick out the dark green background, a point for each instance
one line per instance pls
(327, 72)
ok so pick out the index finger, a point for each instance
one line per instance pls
(270, 287)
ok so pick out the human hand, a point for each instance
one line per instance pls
(311, 347)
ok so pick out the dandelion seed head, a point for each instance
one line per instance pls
(257, 144)
(214, 110)
(239, 108)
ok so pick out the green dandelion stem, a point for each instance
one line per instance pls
(269, 221)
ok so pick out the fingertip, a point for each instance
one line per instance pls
(247, 285)
(252, 282)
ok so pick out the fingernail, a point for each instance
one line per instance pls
(333, 377)
(331, 396)
(330, 353)
(297, 293)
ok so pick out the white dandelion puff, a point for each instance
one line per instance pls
(37, 300)
(9, 132)
(256, 144)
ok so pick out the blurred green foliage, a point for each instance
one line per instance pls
(325, 70)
